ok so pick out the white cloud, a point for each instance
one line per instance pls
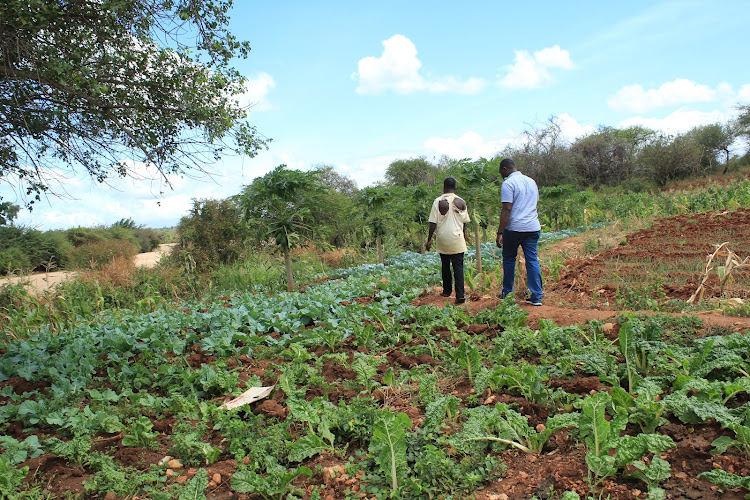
(398, 69)
(469, 145)
(256, 92)
(679, 121)
(636, 99)
(744, 94)
(367, 171)
(571, 129)
(472, 145)
(532, 70)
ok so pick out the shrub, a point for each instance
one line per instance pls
(23, 249)
(213, 233)
(148, 239)
(99, 254)
(14, 260)
(79, 236)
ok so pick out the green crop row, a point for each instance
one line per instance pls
(414, 412)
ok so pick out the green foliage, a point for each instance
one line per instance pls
(17, 452)
(741, 439)
(195, 487)
(23, 250)
(11, 478)
(436, 475)
(162, 94)
(212, 233)
(644, 410)
(412, 172)
(726, 480)
(439, 410)
(388, 446)
(468, 357)
(140, 434)
(366, 368)
(274, 486)
(189, 445)
(118, 371)
(507, 427)
(602, 435)
(524, 378)
(636, 337)
(96, 255)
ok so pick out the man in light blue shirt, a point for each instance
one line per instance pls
(519, 225)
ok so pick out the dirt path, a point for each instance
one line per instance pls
(570, 300)
(44, 281)
(576, 315)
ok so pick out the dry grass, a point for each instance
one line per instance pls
(332, 258)
(118, 272)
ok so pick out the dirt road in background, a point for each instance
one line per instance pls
(43, 281)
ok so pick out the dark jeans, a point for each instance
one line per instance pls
(457, 260)
(528, 241)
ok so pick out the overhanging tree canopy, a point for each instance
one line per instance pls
(102, 84)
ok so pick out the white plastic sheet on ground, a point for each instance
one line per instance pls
(249, 396)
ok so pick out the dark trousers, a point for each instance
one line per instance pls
(457, 261)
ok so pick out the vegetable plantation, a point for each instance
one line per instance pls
(374, 396)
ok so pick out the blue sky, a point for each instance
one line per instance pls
(356, 85)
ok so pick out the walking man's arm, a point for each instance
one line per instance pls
(504, 221)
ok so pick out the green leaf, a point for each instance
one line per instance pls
(388, 445)
(726, 480)
(306, 447)
(632, 448)
(722, 444)
(593, 426)
(195, 489)
(247, 481)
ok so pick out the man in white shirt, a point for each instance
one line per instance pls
(448, 216)
(519, 225)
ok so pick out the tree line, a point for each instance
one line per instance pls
(289, 208)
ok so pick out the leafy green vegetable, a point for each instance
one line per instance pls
(195, 488)
(140, 433)
(274, 486)
(11, 478)
(468, 358)
(506, 426)
(388, 446)
(726, 480)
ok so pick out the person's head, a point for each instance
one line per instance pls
(507, 167)
(449, 185)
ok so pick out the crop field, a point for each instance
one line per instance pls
(665, 261)
(381, 389)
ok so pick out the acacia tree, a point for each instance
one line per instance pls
(108, 84)
(742, 124)
(412, 172)
(714, 139)
(277, 206)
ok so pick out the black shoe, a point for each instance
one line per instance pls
(534, 302)
(445, 294)
(460, 300)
